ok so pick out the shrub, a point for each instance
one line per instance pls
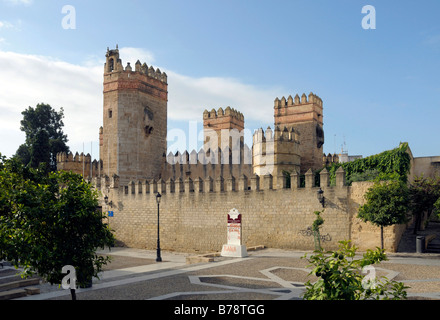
(341, 276)
(389, 165)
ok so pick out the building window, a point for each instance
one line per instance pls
(111, 66)
(148, 131)
(110, 114)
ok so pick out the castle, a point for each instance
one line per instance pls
(200, 187)
(133, 142)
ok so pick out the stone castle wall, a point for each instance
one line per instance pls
(213, 163)
(193, 213)
(80, 164)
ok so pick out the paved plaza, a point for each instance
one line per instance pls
(267, 274)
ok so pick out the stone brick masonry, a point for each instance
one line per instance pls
(196, 221)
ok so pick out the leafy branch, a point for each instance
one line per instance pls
(341, 277)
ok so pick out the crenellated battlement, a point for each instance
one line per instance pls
(149, 71)
(209, 163)
(278, 134)
(220, 184)
(305, 115)
(210, 156)
(79, 163)
(223, 128)
(69, 157)
(114, 65)
(328, 160)
(277, 215)
(275, 152)
(297, 101)
(220, 113)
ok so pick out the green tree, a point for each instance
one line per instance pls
(48, 221)
(386, 205)
(23, 154)
(388, 165)
(423, 194)
(437, 207)
(38, 121)
(319, 221)
(40, 150)
(341, 277)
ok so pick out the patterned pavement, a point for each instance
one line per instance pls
(267, 274)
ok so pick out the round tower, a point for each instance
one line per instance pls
(304, 115)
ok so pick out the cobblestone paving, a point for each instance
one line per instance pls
(265, 275)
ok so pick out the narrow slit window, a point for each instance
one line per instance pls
(111, 65)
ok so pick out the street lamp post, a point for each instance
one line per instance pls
(321, 198)
(108, 203)
(158, 259)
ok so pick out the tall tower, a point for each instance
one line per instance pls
(304, 115)
(133, 137)
(275, 152)
(223, 128)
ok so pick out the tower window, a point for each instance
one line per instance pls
(148, 131)
(111, 66)
(110, 114)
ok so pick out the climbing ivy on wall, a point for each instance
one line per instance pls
(388, 165)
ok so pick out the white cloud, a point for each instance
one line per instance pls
(189, 97)
(131, 55)
(19, 2)
(5, 25)
(27, 80)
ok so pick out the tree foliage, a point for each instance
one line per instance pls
(341, 277)
(437, 207)
(319, 221)
(40, 150)
(386, 204)
(43, 127)
(424, 193)
(388, 165)
(48, 221)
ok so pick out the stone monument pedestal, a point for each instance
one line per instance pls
(234, 248)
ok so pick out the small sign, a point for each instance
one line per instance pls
(234, 227)
(234, 248)
(110, 213)
(234, 216)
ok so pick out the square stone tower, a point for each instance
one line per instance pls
(304, 115)
(133, 137)
(223, 129)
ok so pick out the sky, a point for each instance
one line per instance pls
(377, 72)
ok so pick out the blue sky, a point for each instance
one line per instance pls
(380, 87)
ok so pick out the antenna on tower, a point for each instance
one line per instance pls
(344, 147)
